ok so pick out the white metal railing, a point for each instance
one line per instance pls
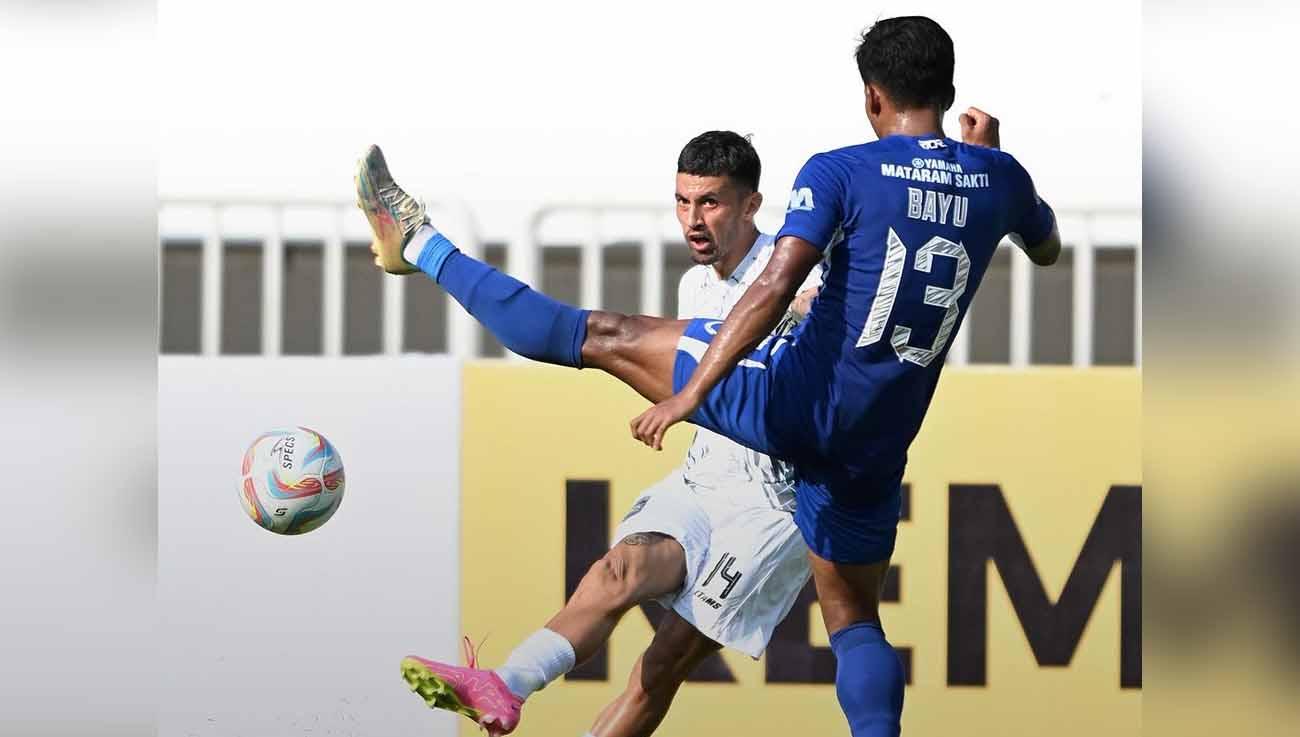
(336, 226)
(594, 226)
(339, 225)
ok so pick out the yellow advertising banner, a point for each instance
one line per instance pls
(1014, 603)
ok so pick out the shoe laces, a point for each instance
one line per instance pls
(409, 211)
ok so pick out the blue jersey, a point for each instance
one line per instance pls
(910, 225)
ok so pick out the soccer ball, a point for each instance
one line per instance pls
(291, 480)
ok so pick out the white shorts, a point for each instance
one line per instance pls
(745, 566)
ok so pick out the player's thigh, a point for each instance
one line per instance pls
(674, 652)
(748, 548)
(669, 509)
(638, 350)
(738, 406)
(847, 592)
(756, 568)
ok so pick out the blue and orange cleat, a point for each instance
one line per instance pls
(470, 691)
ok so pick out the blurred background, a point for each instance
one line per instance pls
(179, 183)
(545, 139)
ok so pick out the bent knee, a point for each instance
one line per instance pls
(606, 325)
(613, 334)
(616, 580)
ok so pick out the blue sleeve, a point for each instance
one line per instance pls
(817, 206)
(1034, 218)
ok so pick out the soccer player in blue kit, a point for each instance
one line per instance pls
(908, 225)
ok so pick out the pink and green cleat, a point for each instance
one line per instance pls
(470, 691)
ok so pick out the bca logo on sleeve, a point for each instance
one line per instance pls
(801, 199)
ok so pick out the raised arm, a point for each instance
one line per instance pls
(981, 129)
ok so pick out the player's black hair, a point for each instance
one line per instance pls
(911, 58)
(721, 154)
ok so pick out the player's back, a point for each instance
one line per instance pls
(911, 224)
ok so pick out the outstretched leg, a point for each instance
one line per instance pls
(676, 650)
(640, 567)
(639, 350)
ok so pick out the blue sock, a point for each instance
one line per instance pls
(868, 680)
(524, 320)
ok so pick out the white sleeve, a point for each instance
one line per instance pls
(685, 293)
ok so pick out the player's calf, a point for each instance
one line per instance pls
(869, 679)
(677, 648)
(639, 350)
(524, 320)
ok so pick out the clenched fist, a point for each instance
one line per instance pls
(979, 128)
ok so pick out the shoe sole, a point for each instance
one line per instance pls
(367, 195)
(436, 692)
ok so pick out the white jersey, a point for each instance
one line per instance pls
(717, 465)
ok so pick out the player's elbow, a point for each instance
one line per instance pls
(1046, 253)
(791, 262)
(780, 287)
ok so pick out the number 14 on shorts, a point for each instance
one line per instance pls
(723, 568)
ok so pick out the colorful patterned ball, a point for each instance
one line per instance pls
(291, 480)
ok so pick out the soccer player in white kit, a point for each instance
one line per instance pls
(714, 542)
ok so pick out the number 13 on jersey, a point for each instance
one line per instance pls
(942, 298)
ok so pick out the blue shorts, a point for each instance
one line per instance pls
(843, 518)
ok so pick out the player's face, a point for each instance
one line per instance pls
(717, 217)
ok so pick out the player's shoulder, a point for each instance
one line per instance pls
(689, 287)
(845, 156)
(760, 253)
(693, 277)
(992, 158)
(837, 167)
(887, 147)
(916, 147)
(849, 159)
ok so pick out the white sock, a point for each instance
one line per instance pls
(418, 240)
(538, 660)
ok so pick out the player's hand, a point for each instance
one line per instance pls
(651, 425)
(979, 128)
(803, 302)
